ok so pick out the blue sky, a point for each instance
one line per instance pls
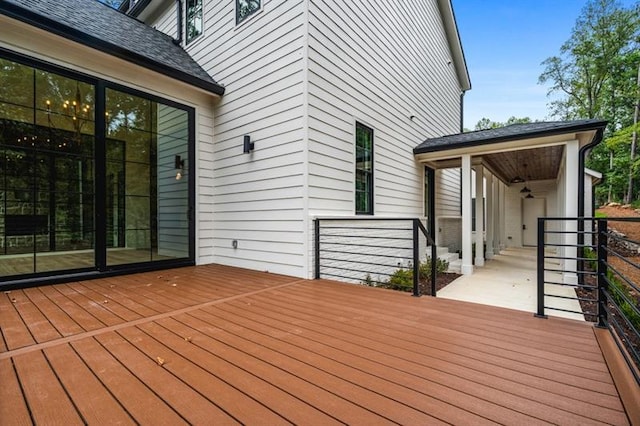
(504, 42)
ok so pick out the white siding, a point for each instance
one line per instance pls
(377, 63)
(259, 197)
(298, 75)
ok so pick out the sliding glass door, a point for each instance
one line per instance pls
(147, 180)
(55, 165)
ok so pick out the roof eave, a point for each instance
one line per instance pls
(455, 44)
(584, 127)
(72, 34)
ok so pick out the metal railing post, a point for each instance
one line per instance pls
(416, 259)
(540, 311)
(316, 226)
(434, 268)
(602, 273)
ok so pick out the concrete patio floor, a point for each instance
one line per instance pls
(509, 281)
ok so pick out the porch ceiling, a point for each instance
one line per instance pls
(530, 164)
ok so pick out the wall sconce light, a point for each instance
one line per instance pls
(248, 145)
(179, 166)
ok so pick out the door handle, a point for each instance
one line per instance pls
(524, 227)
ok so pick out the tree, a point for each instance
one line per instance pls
(594, 62)
(594, 76)
(485, 123)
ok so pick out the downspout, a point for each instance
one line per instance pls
(462, 111)
(178, 41)
(582, 155)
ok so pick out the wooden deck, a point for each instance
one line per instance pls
(219, 345)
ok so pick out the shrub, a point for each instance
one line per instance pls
(402, 279)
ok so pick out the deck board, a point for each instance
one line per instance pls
(12, 403)
(15, 332)
(45, 396)
(94, 402)
(435, 376)
(250, 347)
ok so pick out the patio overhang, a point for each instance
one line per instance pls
(546, 158)
(504, 150)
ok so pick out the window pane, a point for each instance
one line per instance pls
(47, 171)
(147, 205)
(246, 8)
(364, 169)
(194, 19)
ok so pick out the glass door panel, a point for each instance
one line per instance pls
(147, 180)
(46, 143)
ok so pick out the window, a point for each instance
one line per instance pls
(246, 8)
(194, 19)
(364, 169)
(93, 176)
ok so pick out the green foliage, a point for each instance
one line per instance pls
(485, 123)
(402, 279)
(595, 76)
(591, 73)
(368, 281)
(620, 294)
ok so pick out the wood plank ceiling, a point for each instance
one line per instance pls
(529, 164)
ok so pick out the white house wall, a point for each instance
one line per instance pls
(381, 78)
(398, 81)
(47, 47)
(259, 197)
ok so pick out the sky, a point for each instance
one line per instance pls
(505, 42)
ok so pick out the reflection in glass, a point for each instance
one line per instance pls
(48, 176)
(147, 206)
(47, 169)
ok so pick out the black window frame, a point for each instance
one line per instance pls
(369, 172)
(242, 19)
(187, 19)
(100, 267)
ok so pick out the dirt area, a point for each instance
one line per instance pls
(631, 230)
(624, 265)
(442, 279)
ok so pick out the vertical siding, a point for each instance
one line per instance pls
(378, 62)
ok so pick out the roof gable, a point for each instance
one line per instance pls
(96, 25)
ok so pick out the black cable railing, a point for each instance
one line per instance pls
(600, 269)
(373, 251)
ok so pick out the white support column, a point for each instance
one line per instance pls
(479, 215)
(571, 210)
(502, 224)
(497, 214)
(490, 216)
(467, 265)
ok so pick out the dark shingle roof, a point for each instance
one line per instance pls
(96, 25)
(508, 133)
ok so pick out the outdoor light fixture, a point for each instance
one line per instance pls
(179, 166)
(517, 179)
(529, 196)
(248, 145)
(525, 190)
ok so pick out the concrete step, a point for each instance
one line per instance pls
(440, 251)
(455, 266)
(452, 258)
